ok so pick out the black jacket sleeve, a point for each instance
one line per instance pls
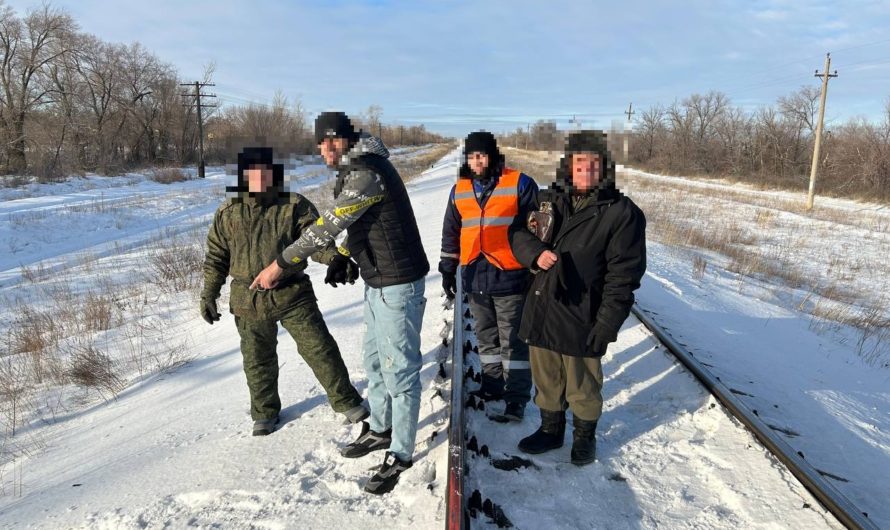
(450, 255)
(625, 266)
(524, 244)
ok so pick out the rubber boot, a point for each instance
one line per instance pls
(583, 442)
(549, 436)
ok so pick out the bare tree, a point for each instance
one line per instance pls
(72, 103)
(28, 46)
(650, 129)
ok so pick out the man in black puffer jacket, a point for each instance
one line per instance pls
(582, 292)
(372, 205)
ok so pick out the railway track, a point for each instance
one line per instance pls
(463, 506)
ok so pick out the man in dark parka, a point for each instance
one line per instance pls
(582, 292)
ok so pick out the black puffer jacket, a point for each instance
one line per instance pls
(372, 205)
(385, 240)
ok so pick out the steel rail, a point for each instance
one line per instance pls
(833, 500)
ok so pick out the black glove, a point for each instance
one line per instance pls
(208, 310)
(448, 268)
(599, 338)
(449, 284)
(341, 270)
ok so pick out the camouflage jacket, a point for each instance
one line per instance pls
(245, 237)
(354, 196)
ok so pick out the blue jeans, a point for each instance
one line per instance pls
(393, 317)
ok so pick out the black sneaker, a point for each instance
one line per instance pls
(264, 427)
(388, 475)
(367, 441)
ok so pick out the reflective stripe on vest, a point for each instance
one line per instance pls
(485, 231)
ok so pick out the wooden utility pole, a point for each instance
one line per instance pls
(629, 112)
(814, 168)
(198, 95)
(528, 133)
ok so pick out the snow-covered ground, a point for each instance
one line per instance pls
(668, 456)
(175, 450)
(812, 388)
(779, 339)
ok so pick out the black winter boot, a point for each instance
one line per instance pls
(549, 436)
(492, 389)
(583, 442)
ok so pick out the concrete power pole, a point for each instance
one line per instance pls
(198, 95)
(629, 112)
(818, 144)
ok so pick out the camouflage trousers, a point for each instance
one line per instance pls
(259, 341)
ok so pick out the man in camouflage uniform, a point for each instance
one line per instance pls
(251, 228)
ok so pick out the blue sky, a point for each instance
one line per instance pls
(462, 66)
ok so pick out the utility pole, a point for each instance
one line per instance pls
(629, 112)
(528, 128)
(198, 95)
(814, 168)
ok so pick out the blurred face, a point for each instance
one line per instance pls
(259, 178)
(332, 149)
(478, 162)
(586, 171)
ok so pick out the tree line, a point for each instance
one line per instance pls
(772, 145)
(285, 124)
(71, 103)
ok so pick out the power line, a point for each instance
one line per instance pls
(198, 95)
(825, 77)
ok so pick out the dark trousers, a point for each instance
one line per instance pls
(503, 354)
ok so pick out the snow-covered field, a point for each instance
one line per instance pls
(174, 450)
(795, 320)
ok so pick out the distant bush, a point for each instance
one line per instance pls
(14, 181)
(770, 146)
(168, 175)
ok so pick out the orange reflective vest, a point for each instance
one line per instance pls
(484, 230)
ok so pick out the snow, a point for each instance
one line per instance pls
(668, 455)
(824, 386)
(834, 407)
(175, 450)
